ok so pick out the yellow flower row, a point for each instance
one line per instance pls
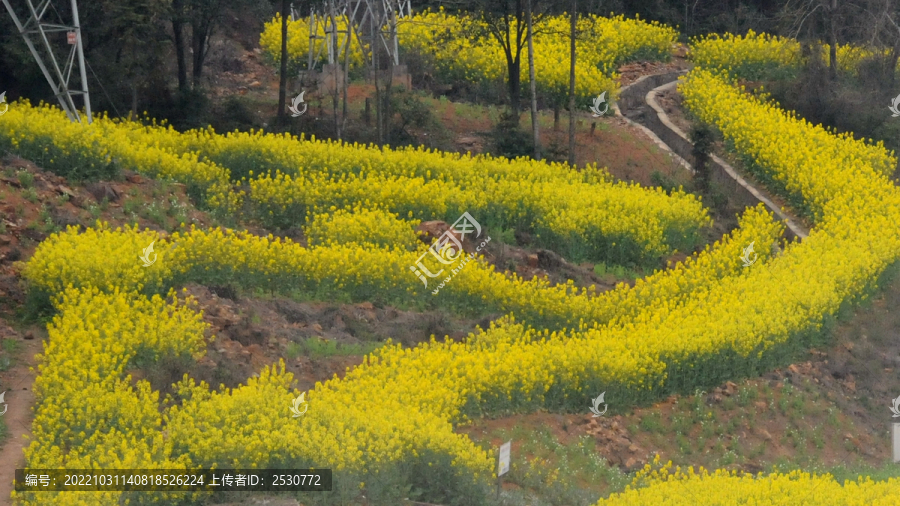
(582, 212)
(618, 222)
(355, 268)
(361, 226)
(843, 182)
(760, 56)
(258, 152)
(100, 150)
(88, 414)
(461, 48)
(299, 41)
(686, 487)
(800, 168)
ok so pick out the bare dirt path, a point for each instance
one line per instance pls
(19, 398)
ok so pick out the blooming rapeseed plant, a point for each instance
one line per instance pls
(705, 320)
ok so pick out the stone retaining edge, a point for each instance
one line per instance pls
(668, 136)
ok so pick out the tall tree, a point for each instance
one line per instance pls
(574, 21)
(812, 21)
(138, 47)
(832, 10)
(177, 18)
(379, 104)
(204, 16)
(534, 110)
(505, 21)
(882, 30)
(346, 76)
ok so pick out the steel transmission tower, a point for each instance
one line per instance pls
(328, 15)
(368, 20)
(33, 28)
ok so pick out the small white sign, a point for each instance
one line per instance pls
(71, 38)
(895, 438)
(504, 458)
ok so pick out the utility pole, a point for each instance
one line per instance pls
(58, 78)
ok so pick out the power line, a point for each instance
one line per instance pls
(113, 104)
(92, 71)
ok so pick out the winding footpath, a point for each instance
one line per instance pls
(638, 106)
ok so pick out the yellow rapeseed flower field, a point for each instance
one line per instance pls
(704, 321)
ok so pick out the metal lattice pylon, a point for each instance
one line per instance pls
(329, 15)
(366, 19)
(379, 21)
(33, 27)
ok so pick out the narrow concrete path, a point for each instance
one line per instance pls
(639, 101)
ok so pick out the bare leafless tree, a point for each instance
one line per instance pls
(882, 32)
(812, 21)
(507, 24)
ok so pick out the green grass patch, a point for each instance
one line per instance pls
(11, 346)
(320, 348)
(618, 271)
(4, 431)
(551, 472)
(293, 350)
(26, 179)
